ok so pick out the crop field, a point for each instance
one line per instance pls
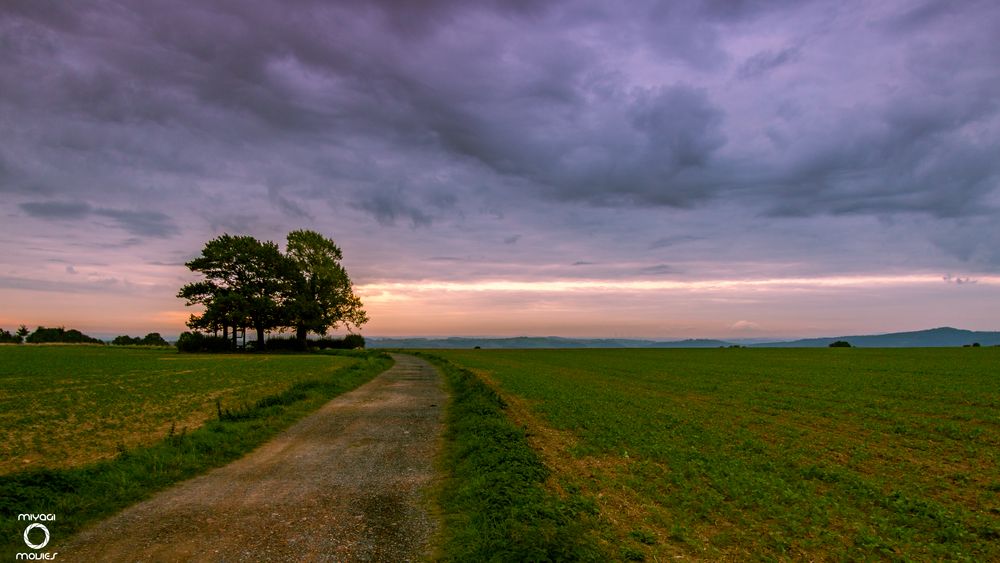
(67, 406)
(807, 454)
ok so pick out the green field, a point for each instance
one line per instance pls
(89, 430)
(66, 406)
(808, 454)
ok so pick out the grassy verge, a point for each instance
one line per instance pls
(78, 496)
(495, 503)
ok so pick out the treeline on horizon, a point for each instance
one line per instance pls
(43, 335)
(62, 335)
(188, 342)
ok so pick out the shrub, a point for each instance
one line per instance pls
(840, 344)
(198, 342)
(352, 341)
(153, 339)
(349, 342)
(281, 343)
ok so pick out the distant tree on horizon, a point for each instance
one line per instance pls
(840, 344)
(154, 339)
(151, 339)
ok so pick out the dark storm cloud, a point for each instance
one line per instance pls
(920, 14)
(287, 206)
(766, 61)
(419, 18)
(909, 156)
(667, 242)
(141, 223)
(387, 207)
(57, 209)
(519, 120)
(104, 285)
(659, 269)
(430, 114)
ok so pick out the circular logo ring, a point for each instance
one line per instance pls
(36, 545)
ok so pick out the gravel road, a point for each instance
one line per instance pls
(348, 483)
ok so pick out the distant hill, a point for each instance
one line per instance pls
(535, 342)
(933, 338)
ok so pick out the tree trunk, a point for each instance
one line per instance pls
(260, 337)
(225, 331)
(300, 334)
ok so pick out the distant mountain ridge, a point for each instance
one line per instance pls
(535, 342)
(932, 338)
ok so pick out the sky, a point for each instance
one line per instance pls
(726, 169)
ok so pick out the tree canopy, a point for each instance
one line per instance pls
(249, 283)
(322, 294)
(151, 339)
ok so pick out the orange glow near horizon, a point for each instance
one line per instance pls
(650, 308)
(385, 291)
(583, 308)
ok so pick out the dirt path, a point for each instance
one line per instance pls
(344, 484)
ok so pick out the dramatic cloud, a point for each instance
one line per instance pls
(765, 61)
(142, 223)
(531, 140)
(56, 209)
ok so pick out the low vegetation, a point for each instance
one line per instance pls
(494, 503)
(763, 454)
(91, 430)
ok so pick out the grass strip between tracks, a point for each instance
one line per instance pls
(494, 498)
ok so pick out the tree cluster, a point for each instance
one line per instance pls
(151, 339)
(59, 334)
(249, 284)
(16, 337)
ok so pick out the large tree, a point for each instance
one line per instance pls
(246, 282)
(323, 296)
